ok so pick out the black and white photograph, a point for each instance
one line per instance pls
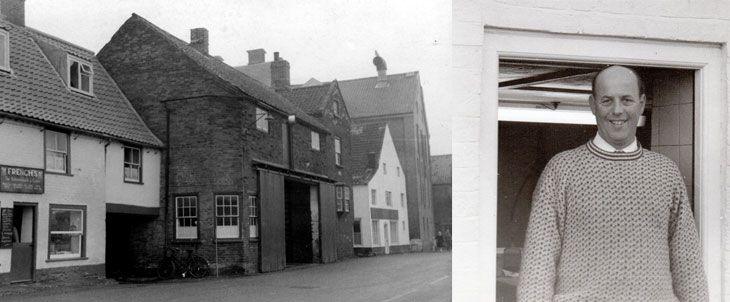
(225, 150)
(590, 150)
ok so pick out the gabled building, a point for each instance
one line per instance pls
(441, 186)
(246, 181)
(74, 159)
(379, 192)
(325, 103)
(397, 99)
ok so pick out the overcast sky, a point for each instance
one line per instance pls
(323, 39)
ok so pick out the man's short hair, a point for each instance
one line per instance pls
(639, 79)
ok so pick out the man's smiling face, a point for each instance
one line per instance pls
(617, 104)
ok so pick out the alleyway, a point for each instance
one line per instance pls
(408, 277)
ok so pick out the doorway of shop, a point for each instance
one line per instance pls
(23, 250)
(298, 223)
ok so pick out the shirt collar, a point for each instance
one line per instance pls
(605, 146)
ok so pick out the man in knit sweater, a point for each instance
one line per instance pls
(611, 221)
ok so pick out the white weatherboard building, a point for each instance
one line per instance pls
(681, 47)
(73, 154)
(379, 192)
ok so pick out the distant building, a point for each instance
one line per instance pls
(380, 197)
(441, 185)
(397, 100)
(79, 170)
(247, 182)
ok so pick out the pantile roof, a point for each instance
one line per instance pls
(367, 143)
(366, 97)
(441, 169)
(237, 79)
(35, 90)
(311, 99)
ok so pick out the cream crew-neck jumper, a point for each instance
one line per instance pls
(611, 227)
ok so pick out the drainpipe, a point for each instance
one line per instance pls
(167, 173)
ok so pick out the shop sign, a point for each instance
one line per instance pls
(21, 180)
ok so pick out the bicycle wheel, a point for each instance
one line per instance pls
(198, 267)
(166, 269)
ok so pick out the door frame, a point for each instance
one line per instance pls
(708, 62)
(35, 236)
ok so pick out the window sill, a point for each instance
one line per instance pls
(176, 240)
(67, 259)
(257, 239)
(79, 91)
(229, 240)
(133, 182)
(58, 173)
(7, 70)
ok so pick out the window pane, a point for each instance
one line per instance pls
(65, 245)
(66, 220)
(85, 86)
(4, 49)
(62, 142)
(74, 75)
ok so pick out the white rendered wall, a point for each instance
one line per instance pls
(146, 194)
(382, 182)
(22, 145)
(694, 21)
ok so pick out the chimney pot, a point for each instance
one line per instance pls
(276, 56)
(199, 40)
(256, 56)
(280, 78)
(381, 67)
(13, 11)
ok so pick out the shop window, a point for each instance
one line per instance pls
(226, 216)
(338, 195)
(66, 232)
(376, 233)
(346, 202)
(374, 196)
(357, 234)
(4, 50)
(315, 140)
(253, 217)
(57, 146)
(338, 152)
(388, 198)
(262, 120)
(186, 217)
(80, 75)
(132, 164)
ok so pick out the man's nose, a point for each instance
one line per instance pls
(616, 108)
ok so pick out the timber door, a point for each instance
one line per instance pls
(328, 222)
(272, 245)
(386, 234)
(21, 263)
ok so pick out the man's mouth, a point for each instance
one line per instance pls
(618, 122)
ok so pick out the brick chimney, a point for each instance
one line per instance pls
(199, 40)
(256, 56)
(280, 73)
(13, 11)
(381, 67)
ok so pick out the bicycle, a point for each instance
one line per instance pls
(171, 266)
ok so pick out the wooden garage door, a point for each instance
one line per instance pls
(273, 249)
(328, 221)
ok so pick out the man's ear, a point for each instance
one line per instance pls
(592, 104)
(642, 99)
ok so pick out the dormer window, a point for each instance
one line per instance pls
(4, 50)
(80, 75)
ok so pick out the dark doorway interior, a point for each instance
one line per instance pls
(298, 223)
(21, 266)
(126, 245)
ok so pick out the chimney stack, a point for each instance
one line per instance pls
(256, 56)
(280, 73)
(381, 67)
(13, 11)
(199, 40)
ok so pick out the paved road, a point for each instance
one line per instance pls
(407, 277)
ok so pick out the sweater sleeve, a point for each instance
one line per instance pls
(688, 274)
(543, 240)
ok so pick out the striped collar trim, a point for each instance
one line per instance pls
(615, 155)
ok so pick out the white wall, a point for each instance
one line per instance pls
(695, 21)
(383, 182)
(117, 191)
(22, 145)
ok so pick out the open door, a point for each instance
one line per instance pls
(328, 222)
(272, 232)
(386, 233)
(21, 265)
